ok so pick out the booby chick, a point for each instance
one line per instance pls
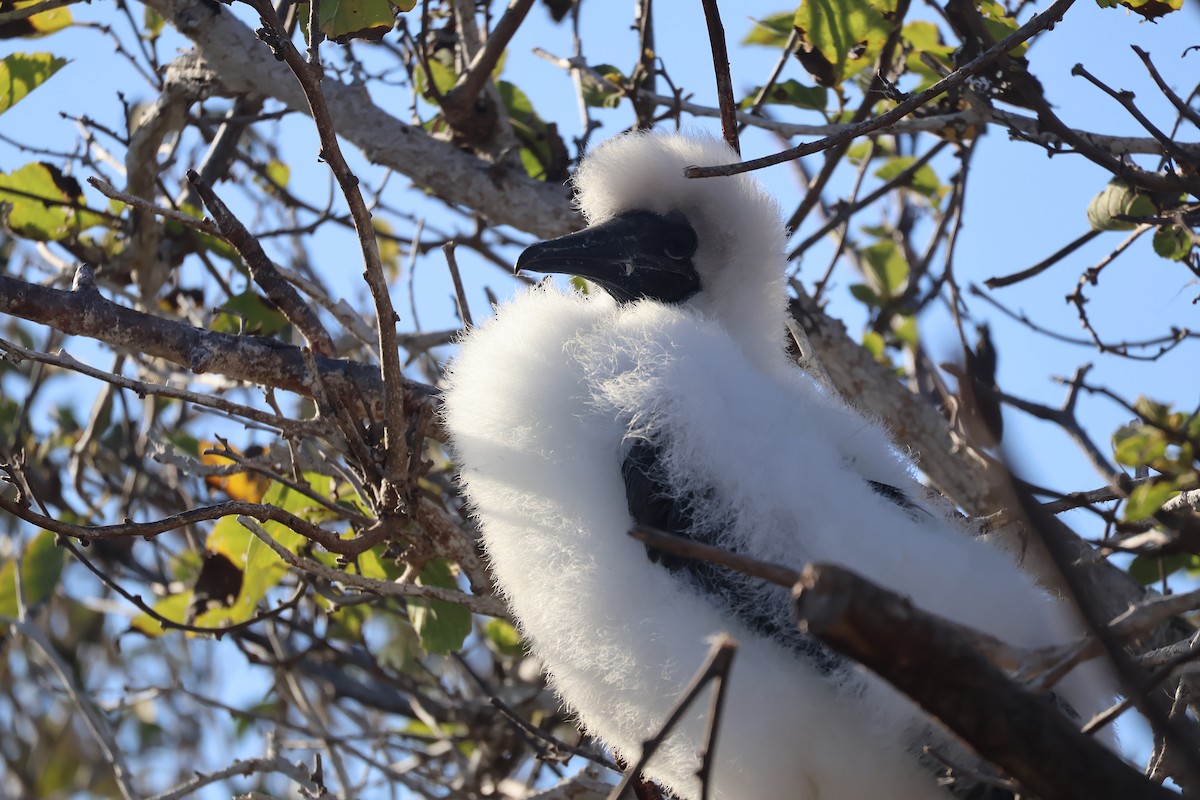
(668, 400)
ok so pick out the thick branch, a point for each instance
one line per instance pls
(256, 359)
(240, 64)
(914, 651)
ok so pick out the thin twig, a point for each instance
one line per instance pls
(955, 79)
(479, 72)
(715, 669)
(94, 720)
(25, 12)
(1185, 110)
(1044, 264)
(278, 291)
(846, 210)
(460, 295)
(1027, 127)
(489, 606)
(396, 483)
(761, 97)
(1125, 98)
(111, 192)
(690, 548)
(720, 56)
(291, 427)
(267, 513)
(297, 773)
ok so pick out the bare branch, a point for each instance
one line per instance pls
(720, 56)
(915, 651)
(240, 65)
(278, 290)
(479, 72)
(397, 488)
(263, 361)
(715, 669)
(95, 721)
(1028, 127)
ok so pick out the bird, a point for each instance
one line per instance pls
(664, 396)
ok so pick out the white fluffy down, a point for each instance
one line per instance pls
(542, 403)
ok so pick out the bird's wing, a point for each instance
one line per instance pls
(653, 504)
(897, 496)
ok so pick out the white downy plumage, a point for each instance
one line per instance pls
(544, 404)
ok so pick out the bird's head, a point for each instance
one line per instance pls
(714, 244)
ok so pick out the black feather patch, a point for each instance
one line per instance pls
(652, 503)
(899, 498)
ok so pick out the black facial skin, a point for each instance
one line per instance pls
(638, 254)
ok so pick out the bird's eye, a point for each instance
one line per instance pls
(680, 243)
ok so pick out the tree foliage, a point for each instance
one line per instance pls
(234, 557)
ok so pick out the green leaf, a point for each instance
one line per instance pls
(371, 566)
(924, 181)
(390, 254)
(443, 74)
(1193, 429)
(37, 26)
(999, 24)
(873, 343)
(21, 73)
(1150, 569)
(924, 37)
(263, 568)
(1157, 413)
(41, 566)
(791, 93)
(539, 143)
(772, 31)
(1150, 9)
(864, 294)
(1147, 498)
(848, 34)
(606, 93)
(278, 172)
(504, 637)
(905, 329)
(343, 20)
(1115, 200)
(1173, 242)
(42, 199)
(887, 268)
(1138, 445)
(153, 22)
(248, 313)
(442, 626)
(860, 150)
(172, 608)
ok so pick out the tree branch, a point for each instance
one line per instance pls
(955, 79)
(916, 652)
(240, 65)
(278, 290)
(256, 359)
(720, 56)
